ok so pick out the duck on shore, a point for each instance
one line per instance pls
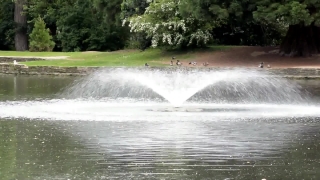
(261, 65)
(205, 64)
(178, 63)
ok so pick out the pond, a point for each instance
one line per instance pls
(48, 133)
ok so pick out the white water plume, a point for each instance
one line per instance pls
(180, 85)
(127, 110)
(143, 94)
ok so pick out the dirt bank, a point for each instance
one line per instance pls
(245, 56)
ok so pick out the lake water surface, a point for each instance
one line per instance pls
(83, 142)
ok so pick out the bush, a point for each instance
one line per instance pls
(40, 39)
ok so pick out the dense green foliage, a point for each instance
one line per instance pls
(40, 38)
(303, 19)
(289, 12)
(81, 25)
(6, 25)
(130, 8)
(163, 22)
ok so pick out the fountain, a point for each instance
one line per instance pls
(125, 94)
(179, 85)
(159, 123)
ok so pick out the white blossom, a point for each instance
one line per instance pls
(161, 22)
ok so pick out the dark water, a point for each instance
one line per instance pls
(286, 148)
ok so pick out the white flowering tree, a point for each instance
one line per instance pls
(163, 23)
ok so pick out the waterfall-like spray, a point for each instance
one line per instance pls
(180, 85)
(143, 94)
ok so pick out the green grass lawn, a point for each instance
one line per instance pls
(154, 57)
(38, 54)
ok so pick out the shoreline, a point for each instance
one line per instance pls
(19, 69)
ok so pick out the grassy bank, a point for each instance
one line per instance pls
(154, 57)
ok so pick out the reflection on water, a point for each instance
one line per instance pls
(31, 87)
(154, 150)
(200, 148)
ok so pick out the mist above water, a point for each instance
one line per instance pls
(180, 85)
(170, 94)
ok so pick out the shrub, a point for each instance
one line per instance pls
(40, 38)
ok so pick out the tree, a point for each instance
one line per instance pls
(40, 39)
(20, 19)
(238, 26)
(299, 18)
(110, 21)
(303, 19)
(81, 25)
(6, 25)
(131, 8)
(49, 11)
(163, 22)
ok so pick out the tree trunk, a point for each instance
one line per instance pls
(301, 41)
(20, 19)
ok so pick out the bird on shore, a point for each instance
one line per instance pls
(261, 65)
(146, 65)
(171, 63)
(15, 62)
(193, 63)
(178, 63)
(268, 66)
(205, 63)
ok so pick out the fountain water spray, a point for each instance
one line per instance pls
(180, 85)
(143, 94)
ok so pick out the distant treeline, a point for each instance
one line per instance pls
(108, 25)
